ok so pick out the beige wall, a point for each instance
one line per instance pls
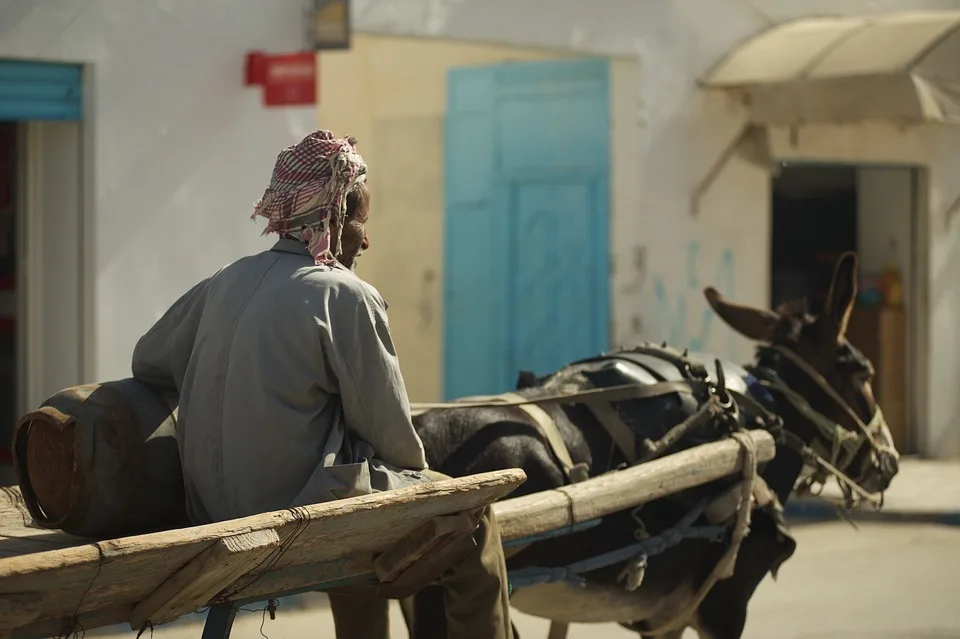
(884, 220)
(390, 93)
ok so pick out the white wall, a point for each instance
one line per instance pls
(884, 203)
(662, 255)
(181, 148)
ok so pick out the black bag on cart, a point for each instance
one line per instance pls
(101, 460)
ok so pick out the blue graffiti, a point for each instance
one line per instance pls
(673, 321)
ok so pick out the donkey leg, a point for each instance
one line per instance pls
(723, 613)
(728, 625)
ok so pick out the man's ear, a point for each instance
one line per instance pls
(758, 324)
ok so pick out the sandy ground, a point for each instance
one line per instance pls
(887, 581)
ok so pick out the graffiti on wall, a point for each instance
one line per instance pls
(681, 314)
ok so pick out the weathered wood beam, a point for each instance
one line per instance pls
(17, 610)
(422, 556)
(204, 577)
(339, 537)
(522, 517)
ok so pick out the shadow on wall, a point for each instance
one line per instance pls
(675, 317)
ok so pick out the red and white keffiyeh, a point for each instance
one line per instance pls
(308, 191)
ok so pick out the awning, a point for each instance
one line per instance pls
(903, 67)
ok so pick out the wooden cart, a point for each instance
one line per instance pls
(52, 584)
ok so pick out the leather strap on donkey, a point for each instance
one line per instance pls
(546, 426)
(597, 400)
(618, 393)
(661, 361)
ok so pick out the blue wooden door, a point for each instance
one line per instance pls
(526, 260)
(39, 91)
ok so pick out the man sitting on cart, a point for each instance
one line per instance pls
(290, 389)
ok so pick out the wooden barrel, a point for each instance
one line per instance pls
(101, 460)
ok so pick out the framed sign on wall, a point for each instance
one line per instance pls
(330, 24)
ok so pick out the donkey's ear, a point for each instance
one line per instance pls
(842, 295)
(756, 323)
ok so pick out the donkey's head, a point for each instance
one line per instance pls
(821, 379)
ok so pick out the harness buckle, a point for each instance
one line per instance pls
(578, 473)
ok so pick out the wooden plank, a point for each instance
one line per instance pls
(19, 535)
(13, 512)
(421, 557)
(123, 572)
(555, 509)
(14, 545)
(277, 581)
(16, 610)
(205, 576)
(402, 555)
(65, 626)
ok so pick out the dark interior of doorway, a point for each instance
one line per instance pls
(8, 279)
(814, 221)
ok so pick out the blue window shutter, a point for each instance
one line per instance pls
(39, 91)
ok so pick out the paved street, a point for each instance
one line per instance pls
(888, 581)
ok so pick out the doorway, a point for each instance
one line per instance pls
(9, 154)
(822, 210)
(42, 237)
(814, 222)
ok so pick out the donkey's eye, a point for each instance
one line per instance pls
(851, 362)
(859, 371)
(848, 362)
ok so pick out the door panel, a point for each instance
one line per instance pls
(553, 290)
(526, 220)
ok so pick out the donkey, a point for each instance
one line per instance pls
(806, 376)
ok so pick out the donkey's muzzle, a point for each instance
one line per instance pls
(889, 466)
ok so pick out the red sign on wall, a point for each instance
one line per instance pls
(288, 79)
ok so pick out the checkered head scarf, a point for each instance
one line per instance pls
(308, 191)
